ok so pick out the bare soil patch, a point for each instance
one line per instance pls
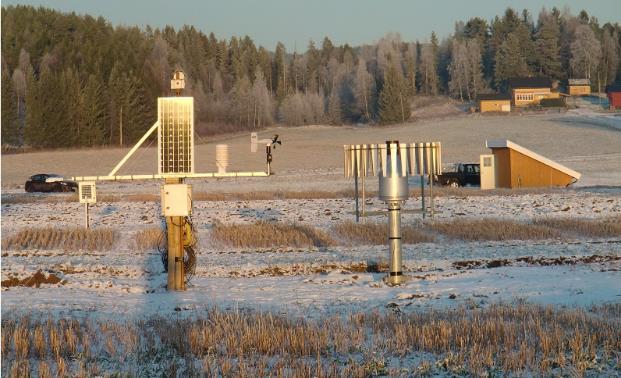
(35, 280)
(539, 261)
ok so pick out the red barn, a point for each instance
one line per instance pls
(614, 95)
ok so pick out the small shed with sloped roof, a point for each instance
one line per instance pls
(579, 87)
(500, 102)
(519, 167)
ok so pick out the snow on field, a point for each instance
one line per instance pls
(311, 156)
(315, 281)
(128, 282)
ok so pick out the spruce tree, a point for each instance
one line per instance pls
(393, 103)
(335, 107)
(94, 110)
(509, 61)
(33, 120)
(9, 111)
(280, 72)
(547, 45)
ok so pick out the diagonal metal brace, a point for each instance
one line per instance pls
(131, 152)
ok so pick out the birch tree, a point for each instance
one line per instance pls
(428, 69)
(458, 69)
(586, 52)
(610, 55)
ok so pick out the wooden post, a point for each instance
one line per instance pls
(175, 225)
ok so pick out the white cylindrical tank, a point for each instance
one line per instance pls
(222, 157)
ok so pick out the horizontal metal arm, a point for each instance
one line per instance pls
(181, 175)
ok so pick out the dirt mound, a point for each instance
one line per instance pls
(33, 281)
(530, 260)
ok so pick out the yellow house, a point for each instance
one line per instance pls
(527, 91)
(519, 167)
(494, 103)
(579, 87)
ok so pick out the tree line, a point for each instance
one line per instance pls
(71, 80)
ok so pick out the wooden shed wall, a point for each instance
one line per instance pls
(503, 167)
(579, 90)
(516, 170)
(494, 105)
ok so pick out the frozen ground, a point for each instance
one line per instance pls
(126, 282)
(311, 157)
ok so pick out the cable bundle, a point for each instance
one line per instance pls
(189, 248)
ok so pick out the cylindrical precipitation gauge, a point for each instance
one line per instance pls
(222, 157)
(393, 184)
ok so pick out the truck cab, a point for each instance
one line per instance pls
(463, 174)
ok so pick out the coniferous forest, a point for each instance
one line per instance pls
(70, 80)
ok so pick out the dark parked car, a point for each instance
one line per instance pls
(45, 182)
(464, 174)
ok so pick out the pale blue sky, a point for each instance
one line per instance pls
(295, 22)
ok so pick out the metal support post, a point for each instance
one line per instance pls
(175, 225)
(356, 189)
(87, 220)
(422, 194)
(268, 152)
(431, 194)
(395, 276)
(364, 199)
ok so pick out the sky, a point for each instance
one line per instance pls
(295, 22)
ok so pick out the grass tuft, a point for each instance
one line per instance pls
(493, 229)
(148, 239)
(597, 228)
(267, 235)
(99, 239)
(377, 233)
(508, 338)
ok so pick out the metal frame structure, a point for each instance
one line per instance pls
(393, 162)
(418, 158)
(175, 126)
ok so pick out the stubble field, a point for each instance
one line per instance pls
(286, 284)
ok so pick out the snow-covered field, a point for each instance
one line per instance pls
(127, 284)
(131, 283)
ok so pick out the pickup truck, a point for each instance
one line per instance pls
(463, 174)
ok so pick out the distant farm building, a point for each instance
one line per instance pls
(519, 167)
(494, 103)
(614, 95)
(579, 87)
(527, 91)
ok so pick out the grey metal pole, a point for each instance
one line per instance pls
(431, 193)
(394, 240)
(422, 194)
(364, 173)
(356, 186)
(87, 220)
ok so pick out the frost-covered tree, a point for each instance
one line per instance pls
(586, 52)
